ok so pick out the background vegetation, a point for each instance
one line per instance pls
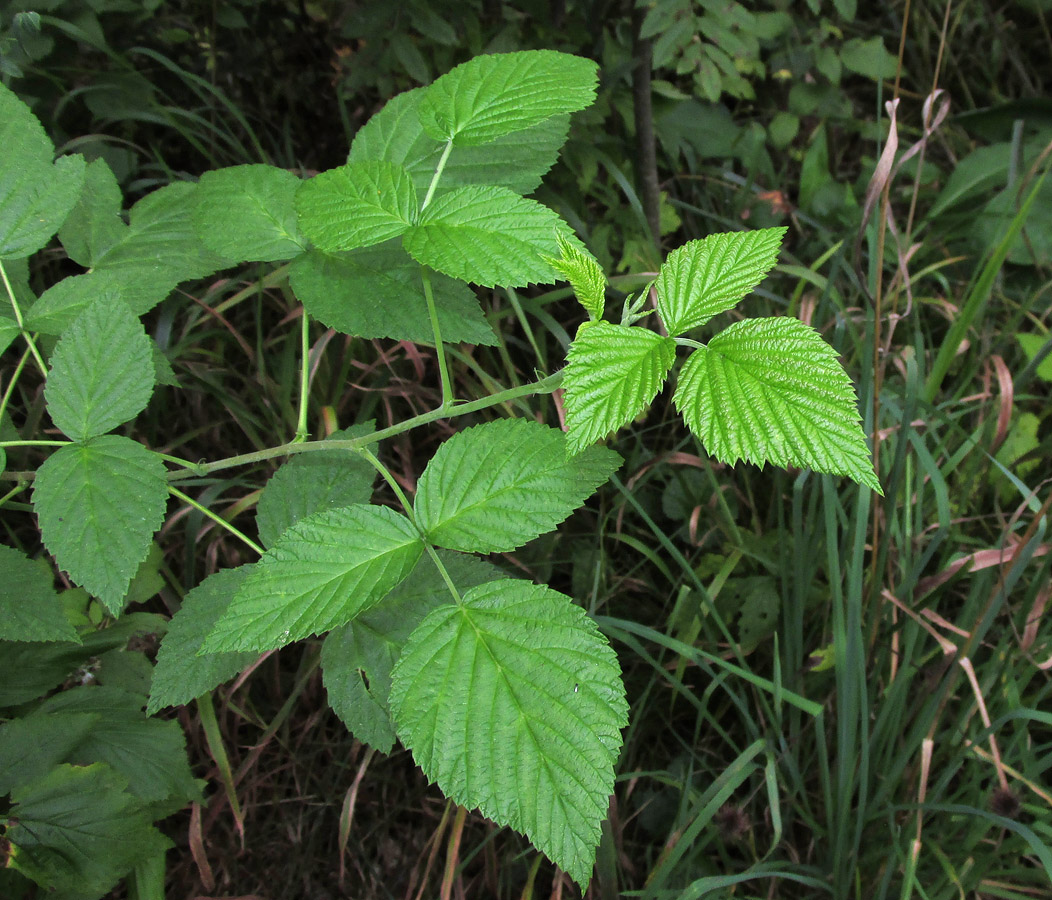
(832, 693)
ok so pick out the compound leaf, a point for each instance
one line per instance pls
(357, 205)
(181, 675)
(30, 610)
(102, 371)
(772, 390)
(612, 374)
(246, 213)
(493, 95)
(99, 505)
(495, 486)
(322, 572)
(489, 236)
(706, 277)
(512, 702)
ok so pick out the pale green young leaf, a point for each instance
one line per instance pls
(246, 213)
(612, 374)
(357, 658)
(706, 277)
(322, 572)
(95, 222)
(493, 487)
(772, 390)
(314, 482)
(36, 194)
(102, 371)
(181, 675)
(357, 205)
(489, 236)
(99, 505)
(585, 275)
(377, 292)
(493, 95)
(527, 675)
(30, 610)
(516, 161)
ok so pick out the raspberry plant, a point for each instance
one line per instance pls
(507, 694)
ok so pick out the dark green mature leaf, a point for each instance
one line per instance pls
(29, 607)
(706, 277)
(313, 482)
(368, 646)
(516, 161)
(99, 505)
(247, 213)
(494, 95)
(36, 194)
(489, 236)
(772, 390)
(377, 292)
(495, 486)
(357, 205)
(527, 675)
(33, 744)
(77, 829)
(612, 374)
(95, 223)
(9, 330)
(182, 673)
(322, 572)
(102, 371)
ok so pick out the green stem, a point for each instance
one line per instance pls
(301, 426)
(687, 342)
(438, 174)
(34, 443)
(544, 386)
(440, 348)
(14, 380)
(219, 520)
(21, 323)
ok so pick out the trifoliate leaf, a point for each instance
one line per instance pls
(102, 371)
(489, 236)
(357, 205)
(516, 161)
(585, 275)
(36, 194)
(706, 277)
(99, 505)
(772, 390)
(322, 572)
(512, 702)
(95, 223)
(612, 374)
(377, 292)
(246, 213)
(181, 675)
(29, 607)
(357, 658)
(495, 486)
(489, 96)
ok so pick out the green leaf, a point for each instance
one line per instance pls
(322, 572)
(495, 486)
(490, 96)
(181, 674)
(869, 58)
(612, 374)
(772, 390)
(358, 205)
(512, 702)
(489, 236)
(377, 292)
(246, 213)
(29, 607)
(102, 371)
(313, 482)
(36, 195)
(1032, 345)
(77, 829)
(585, 275)
(33, 744)
(9, 330)
(99, 505)
(706, 277)
(357, 658)
(95, 222)
(516, 161)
